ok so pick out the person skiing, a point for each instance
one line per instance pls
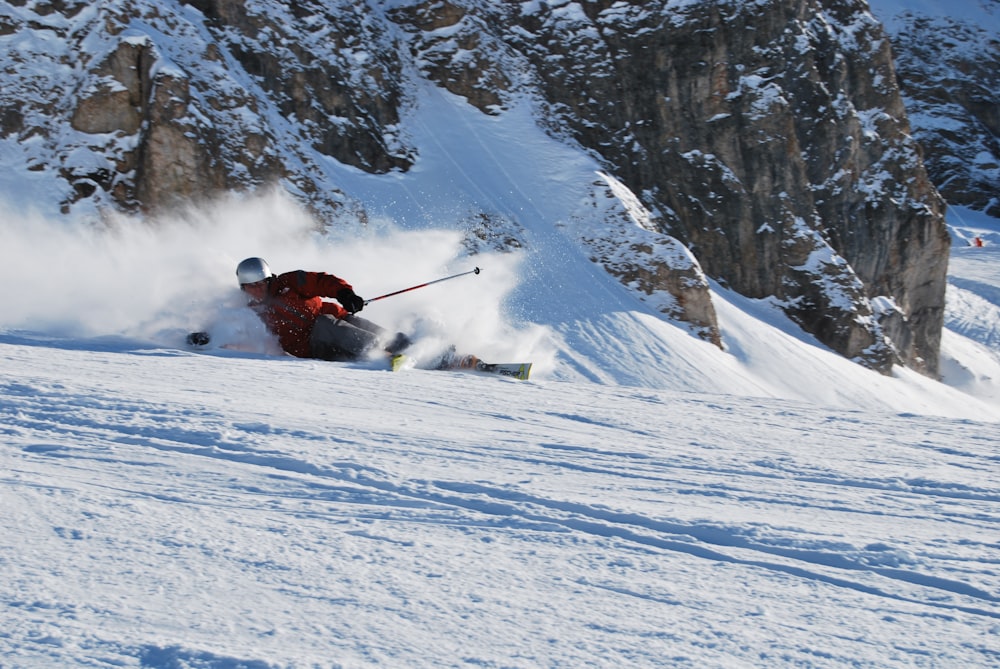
(293, 308)
(296, 308)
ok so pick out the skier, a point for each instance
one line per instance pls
(293, 308)
(307, 326)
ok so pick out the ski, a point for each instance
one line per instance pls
(398, 362)
(516, 370)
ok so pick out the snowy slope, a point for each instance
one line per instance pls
(773, 505)
(647, 500)
(546, 302)
(168, 509)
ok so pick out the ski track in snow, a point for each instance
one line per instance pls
(155, 466)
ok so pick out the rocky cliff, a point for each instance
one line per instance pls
(948, 67)
(765, 143)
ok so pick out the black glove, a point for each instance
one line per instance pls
(350, 301)
(198, 338)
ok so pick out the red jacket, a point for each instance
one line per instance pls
(293, 302)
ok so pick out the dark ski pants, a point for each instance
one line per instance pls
(350, 338)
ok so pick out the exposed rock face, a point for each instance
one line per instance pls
(773, 136)
(949, 71)
(175, 104)
(455, 48)
(769, 138)
(626, 239)
(325, 65)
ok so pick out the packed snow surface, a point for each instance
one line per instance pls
(170, 509)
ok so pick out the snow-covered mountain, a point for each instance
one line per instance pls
(550, 304)
(764, 145)
(529, 129)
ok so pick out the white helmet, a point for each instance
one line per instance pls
(252, 270)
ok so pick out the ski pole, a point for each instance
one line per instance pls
(406, 290)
